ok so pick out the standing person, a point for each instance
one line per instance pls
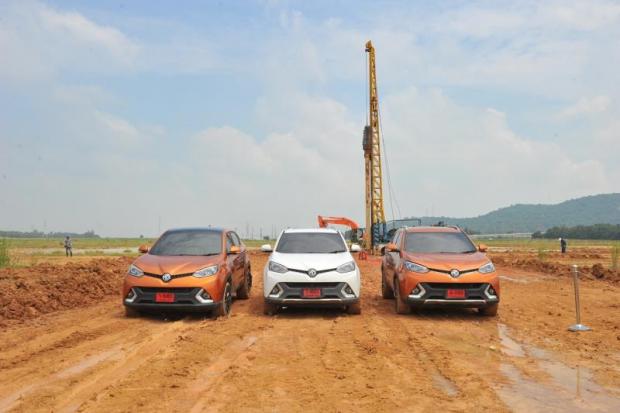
(563, 245)
(68, 246)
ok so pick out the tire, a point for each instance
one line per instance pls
(400, 306)
(354, 308)
(490, 311)
(131, 312)
(246, 286)
(223, 307)
(386, 291)
(269, 308)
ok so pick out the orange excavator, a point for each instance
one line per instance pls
(355, 229)
(325, 221)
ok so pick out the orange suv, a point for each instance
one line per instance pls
(438, 266)
(191, 269)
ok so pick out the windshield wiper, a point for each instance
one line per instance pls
(336, 252)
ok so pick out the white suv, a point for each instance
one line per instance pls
(311, 267)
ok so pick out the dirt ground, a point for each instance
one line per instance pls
(82, 354)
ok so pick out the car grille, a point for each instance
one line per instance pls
(182, 295)
(438, 290)
(311, 285)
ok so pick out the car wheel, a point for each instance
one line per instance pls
(131, 312)
(489, 311)
(244, 290)
(400, 306)
(386, 291)
(354, 308)
(223, 308)
(270, 308)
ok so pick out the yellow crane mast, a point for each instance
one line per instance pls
(375, 216)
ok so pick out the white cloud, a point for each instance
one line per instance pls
(83, 31)
(587, 106)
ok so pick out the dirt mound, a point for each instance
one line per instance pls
(596, 271)
(44, 288)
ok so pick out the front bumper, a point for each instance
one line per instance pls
(186, 299)
(333, 294)
(476, 295)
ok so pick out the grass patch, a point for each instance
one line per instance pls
(79, 243)
(5, 259)
(615, 256)
(542, 254)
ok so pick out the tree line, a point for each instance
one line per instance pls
(597, 231)
(40, 234)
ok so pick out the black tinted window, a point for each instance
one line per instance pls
(310, 243)
(188, 243)
(438, 242)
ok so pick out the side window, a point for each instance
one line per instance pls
(229, 242)
(396, 239)
(235, 238)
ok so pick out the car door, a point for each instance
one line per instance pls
(235, 261)
(391, 258)
(242, 259)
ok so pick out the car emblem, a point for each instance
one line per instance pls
(166, 277)
(455, 273)
(312, 272)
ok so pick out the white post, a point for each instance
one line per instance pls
(578, 326)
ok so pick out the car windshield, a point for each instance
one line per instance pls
(439, 242)
(311, 243)
(189, 242)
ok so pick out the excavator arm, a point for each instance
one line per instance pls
(325, 221)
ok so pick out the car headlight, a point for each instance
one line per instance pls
(412, 266)
(275, 267)
(135, 271)
(487, 268)
(206, 272)
(348, 267)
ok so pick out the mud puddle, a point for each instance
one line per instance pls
(569, 389)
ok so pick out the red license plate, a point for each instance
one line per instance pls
(164, 297)
(455, 294)
(311, 293)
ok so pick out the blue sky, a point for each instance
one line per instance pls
(117, 116)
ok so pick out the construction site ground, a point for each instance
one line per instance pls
(67, 346)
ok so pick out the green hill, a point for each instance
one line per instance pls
(589, 210)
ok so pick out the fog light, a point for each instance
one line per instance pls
(131, 296)
(490, 293)
(275, 291)
(204, 297)
(417, 292)
(347, 291)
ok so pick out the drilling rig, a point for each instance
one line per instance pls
(371, 143)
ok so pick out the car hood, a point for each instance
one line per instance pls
(319, 262)
(447, 262)
(159, 264)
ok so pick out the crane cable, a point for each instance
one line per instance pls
(391, 193)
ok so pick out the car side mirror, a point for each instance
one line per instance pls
(235, 249)
(355, 248)
(482, 248)
(266, 248)
(391, 247)
(144, 249)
